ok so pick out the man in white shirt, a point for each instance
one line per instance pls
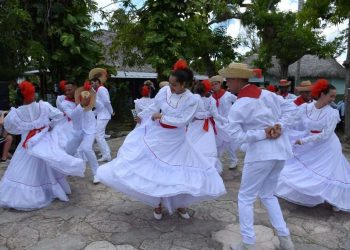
(283, 90)
(98, 77)
(84, 126)
(257, 119)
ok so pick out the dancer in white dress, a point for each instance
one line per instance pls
(224, 100)
(36, 174)
(60, 98)
(145, 101)
(318, 172)
(201, 132)
(156, 164)
(257, 119)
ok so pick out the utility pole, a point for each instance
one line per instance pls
(297, 75)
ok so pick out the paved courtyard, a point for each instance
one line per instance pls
(98, 218)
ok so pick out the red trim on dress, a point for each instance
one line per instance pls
(166, 125)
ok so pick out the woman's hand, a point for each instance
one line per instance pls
(298, 142)
(156, 116)
(137, 119)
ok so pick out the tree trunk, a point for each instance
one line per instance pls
(209, 65)
(284, 71)
(347, 88)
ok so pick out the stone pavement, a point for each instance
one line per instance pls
(98, 218)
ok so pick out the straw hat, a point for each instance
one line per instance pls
(216, 78)
(99, 73)
(284, 83)
(163, 84)
(304, 86)
(81, 93)
(237, 70)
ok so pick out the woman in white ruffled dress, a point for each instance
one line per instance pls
(201, 132)
(37, 171)
(156, 164)
(144, 102)
(318, 172)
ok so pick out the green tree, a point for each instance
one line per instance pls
(284, 35)
(334, 12)
(160, 32)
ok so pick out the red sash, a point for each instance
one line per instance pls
(206, 124)
(166, 125)
(218, 95)
(31, 134)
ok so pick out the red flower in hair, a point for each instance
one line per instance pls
(27, 90)
(207, 85)
(62, 85)
(87, 85)
(271, 88)
(180, 64)
(319, 86)
(257, 73)
(145, 91)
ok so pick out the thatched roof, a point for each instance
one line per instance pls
(106, 37)
(311, 66)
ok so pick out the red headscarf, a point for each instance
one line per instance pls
(62, 85)
(319, 86)
(27, 90)
(145, 90)
(207, 86)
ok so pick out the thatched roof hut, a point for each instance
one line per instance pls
(311, 66)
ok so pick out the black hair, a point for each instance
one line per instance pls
(70, 82)
(95, 79)
(183, 76)
(326, 91)
(200, 89)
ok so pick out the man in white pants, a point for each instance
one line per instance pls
(97, 77)
(257, 119)
(84, 128)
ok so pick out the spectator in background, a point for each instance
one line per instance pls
(5, 139)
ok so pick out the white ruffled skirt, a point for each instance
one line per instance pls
(36, 174)
(204, 142)
(317, 173)
(158, 165)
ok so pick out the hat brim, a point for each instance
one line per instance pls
(92, 98)
(236, 73)
(301, 89)
(285, 84)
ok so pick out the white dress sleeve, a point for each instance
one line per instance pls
(55, 115)
(185, 116)
(11, 123)
(330, 126)
(288, 110)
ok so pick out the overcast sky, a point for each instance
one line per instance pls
(234, 27)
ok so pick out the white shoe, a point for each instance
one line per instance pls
(157, 216)
(107, 136)
(335, 209)
(286, 243)
(96, 180)
(242, 246)
(185, 216)
(104, 158)
(233, 165)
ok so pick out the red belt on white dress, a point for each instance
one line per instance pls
(31, 134)
(315, 131)
(166, 125)
(206, 124)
